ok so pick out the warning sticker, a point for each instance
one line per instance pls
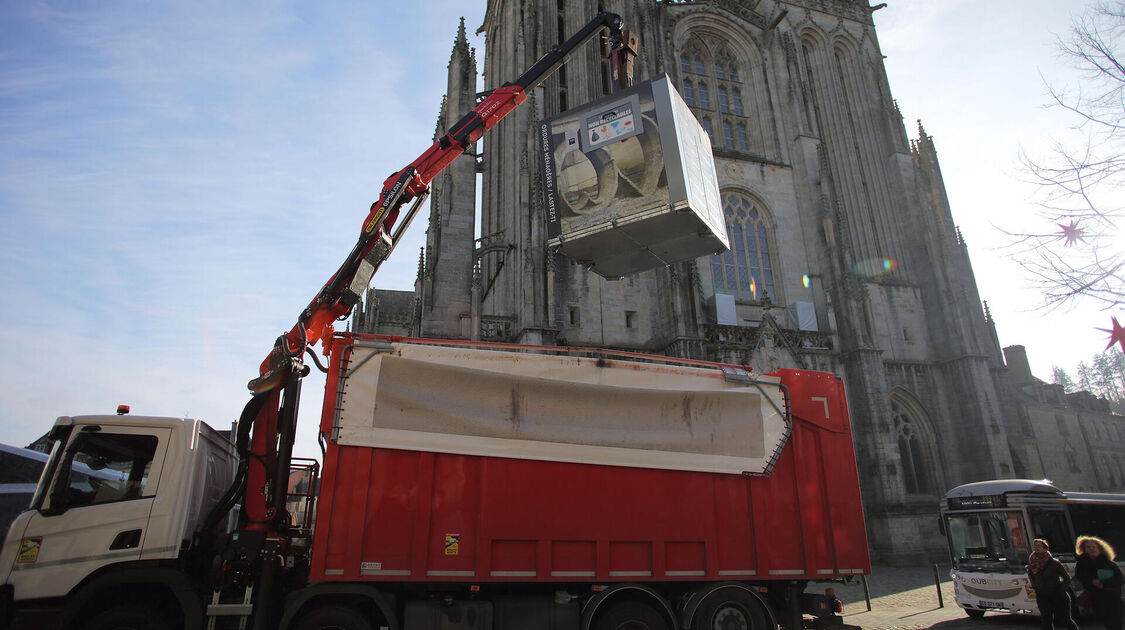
(29, 550)
(452, 544)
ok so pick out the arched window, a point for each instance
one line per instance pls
(746, 270)
(711, 82)
(914, 438)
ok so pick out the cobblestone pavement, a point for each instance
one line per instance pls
(906, 599)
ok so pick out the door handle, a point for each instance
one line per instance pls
(127, 540)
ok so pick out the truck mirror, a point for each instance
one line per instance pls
(941, 526)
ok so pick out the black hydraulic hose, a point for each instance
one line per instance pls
(312, 355)
(242, 445)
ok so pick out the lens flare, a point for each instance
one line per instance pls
(805, 280)
(875, 267)
(753, 289)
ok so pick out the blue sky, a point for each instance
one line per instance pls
(177, 179)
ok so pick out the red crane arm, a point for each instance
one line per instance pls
(344, 289)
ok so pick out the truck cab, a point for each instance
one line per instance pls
(119, 498)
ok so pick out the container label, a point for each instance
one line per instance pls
(615, 122)
(452, 544)
(370, 566)
(549, 187)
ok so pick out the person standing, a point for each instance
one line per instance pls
(1102, 578)
(1051, 582)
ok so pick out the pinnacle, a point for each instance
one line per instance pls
(461, 48)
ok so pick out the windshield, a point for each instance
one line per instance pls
(987, 541)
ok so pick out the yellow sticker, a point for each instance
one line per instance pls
(29, 550)
(452, 543)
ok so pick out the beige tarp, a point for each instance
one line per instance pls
(558, 408)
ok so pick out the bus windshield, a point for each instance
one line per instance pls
(987, 541)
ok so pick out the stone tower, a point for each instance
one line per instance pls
(844, 258)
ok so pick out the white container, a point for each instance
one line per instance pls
(629, 182)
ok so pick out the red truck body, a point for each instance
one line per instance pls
(387, 514)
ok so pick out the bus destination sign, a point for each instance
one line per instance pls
(986, 501)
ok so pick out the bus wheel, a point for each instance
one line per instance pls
(631, 615)
(333, 618)
(974, 613)
(730, 609)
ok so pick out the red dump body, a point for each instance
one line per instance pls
(389, 514)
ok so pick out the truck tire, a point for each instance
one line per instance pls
(631, 615)
(128, 617)
(730, 609)
(974, 613)
(333, 618)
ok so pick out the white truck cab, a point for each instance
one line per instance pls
(119, 494)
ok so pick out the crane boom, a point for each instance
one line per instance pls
(411, 185)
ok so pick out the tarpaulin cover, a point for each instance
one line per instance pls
(558, 408)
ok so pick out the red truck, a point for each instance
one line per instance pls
(464, 485)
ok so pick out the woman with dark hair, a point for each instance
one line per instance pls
(1051, 582)
(1102, 578)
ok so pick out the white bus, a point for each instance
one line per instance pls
(989, 526)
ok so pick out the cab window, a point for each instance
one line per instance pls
(104, 468)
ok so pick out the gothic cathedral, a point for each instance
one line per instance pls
(844, 255)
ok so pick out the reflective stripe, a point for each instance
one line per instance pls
(123, 554)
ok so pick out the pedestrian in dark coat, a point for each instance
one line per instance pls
(1051, 582)
(1102, 578)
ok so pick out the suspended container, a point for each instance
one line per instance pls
(629, 182)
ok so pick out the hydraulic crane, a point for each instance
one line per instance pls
(267, 425)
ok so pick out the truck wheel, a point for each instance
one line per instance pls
(334, 618)
(631, 615)
(974, 613)
(128, 617)
(730, 609)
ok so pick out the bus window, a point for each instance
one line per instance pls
(1050, 525)
(1104, 521)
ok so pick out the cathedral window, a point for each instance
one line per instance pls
(915, 439)
(912, 453)
(711, 80)
(1072, 460)
(746, 270)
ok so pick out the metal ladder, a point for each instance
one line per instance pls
(243, 610)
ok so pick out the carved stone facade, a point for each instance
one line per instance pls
(845, 256)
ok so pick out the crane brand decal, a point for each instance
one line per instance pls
(452, 544)
(388, 200)
(29, 550)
